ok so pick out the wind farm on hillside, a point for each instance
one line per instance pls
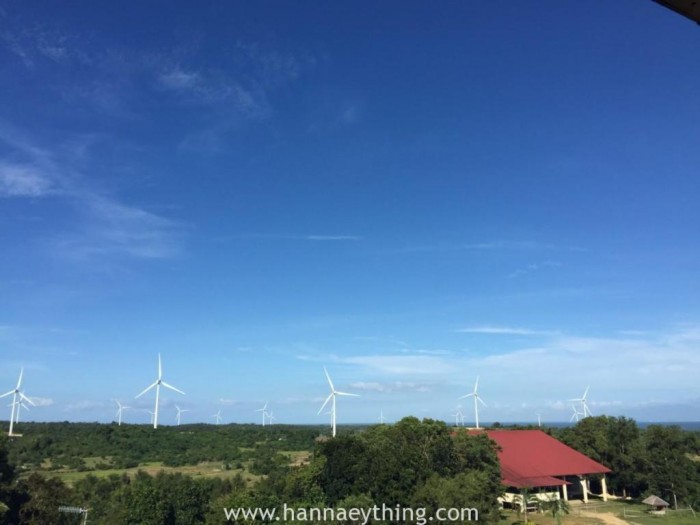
(266, 414)
(376, 262)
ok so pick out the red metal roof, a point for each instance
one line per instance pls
(531, 458)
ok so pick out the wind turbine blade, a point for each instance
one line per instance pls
(146, 390)
(481, 401)
(325, 403)
(19, 381)
(346, 394)
(22, 396)
(329, 379)
(7, 394)
(171, 387)
(160, 367)
(466, 395)
(586, 392)
(476, 385)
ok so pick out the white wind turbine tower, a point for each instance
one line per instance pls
(334, 393)
(152, 414)
(264, 413)
(584, 402)
(121, 408)
(20, 406)
(17, 398)
(575, 415)
(477, 399)
(217, 417)
(539, 420)
(459, 416)
(179, 413)
(157, 384)
(381, 417)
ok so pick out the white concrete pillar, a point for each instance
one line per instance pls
(584, 486)
(565, 493)
(604, 487)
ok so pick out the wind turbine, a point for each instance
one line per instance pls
(459, 416)
(152, 414)
(539, 420)
(17, 397)
(120, 409)
(179, 412)
(334, 393)
(264, 413)
(20, 405)
(477, 399)
(217, 417)
(157, 384)
(575, 415)
(271, 417)
(584, 402)
(381, 417)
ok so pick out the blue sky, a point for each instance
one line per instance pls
(407, 193)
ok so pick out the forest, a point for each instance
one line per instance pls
(412, 463)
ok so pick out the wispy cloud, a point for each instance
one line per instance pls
(42, 401)
(495, 245)
(561, 367)
(23, 181)
(113, 228)
(396, 386)
(534, 267)
(179, 79)
(401, 364)
(292, 237)
(79, 406)
(503, 330)
(227, 402)
(106, 226)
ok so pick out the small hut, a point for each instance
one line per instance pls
(656, 505)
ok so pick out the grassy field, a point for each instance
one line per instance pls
(512, 518)
(208, 469)
(637, 514)
(605, 514)
(202, 470)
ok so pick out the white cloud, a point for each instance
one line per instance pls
(227, 402)
(333, 238)
(179, 79)
(502, 330)
(620, 371)
(294, 237)
(23, 181)
(106, 226)
(42, 401)
(410, 365)
(79, 406)
(396, 386)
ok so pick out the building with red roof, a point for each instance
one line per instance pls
(534, 459)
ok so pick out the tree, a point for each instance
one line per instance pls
(45, 496)
(670, 471)
(557, 506)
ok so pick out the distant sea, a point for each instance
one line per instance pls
(685, 425)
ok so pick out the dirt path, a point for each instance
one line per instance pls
(606, 517)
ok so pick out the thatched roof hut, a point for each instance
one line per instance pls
(658, 505)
